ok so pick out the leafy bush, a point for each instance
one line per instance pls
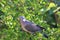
(33, 10)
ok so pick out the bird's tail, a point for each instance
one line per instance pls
(40, 27)
(45, 35)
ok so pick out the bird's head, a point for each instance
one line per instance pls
(22, 18)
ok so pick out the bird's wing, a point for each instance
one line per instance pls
(32, 28)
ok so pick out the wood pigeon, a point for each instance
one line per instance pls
(30, 27)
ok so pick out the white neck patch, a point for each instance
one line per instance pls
(24, 20)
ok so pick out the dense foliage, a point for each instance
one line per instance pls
(37, 11)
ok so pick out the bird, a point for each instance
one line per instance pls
(30, 27)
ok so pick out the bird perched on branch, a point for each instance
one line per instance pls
(30, 27)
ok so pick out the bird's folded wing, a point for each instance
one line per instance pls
(32, 28)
